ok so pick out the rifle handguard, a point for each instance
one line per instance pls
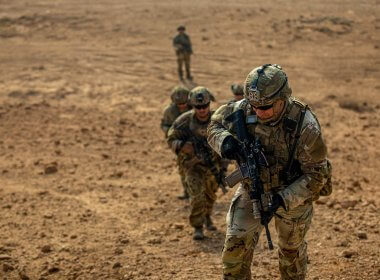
(237, 176)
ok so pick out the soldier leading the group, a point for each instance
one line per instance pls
(183, 49)
(187, 137)
(272, 117)
(178, 106)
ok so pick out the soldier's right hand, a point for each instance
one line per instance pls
(188, 148)
(231, 148)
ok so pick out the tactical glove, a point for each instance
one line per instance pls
(231, 148)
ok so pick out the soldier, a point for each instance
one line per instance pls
(187, 136)
(238, 92)
(183, 49)
(179, 105)
(273, 117)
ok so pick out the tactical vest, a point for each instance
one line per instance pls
(277, 142)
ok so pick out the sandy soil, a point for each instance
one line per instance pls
(88, 187)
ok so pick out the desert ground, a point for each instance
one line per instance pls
(88, 185)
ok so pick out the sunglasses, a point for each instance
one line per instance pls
(263, 108)
(199, 107)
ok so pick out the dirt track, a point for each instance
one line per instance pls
(88, 187)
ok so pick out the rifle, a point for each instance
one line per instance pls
(203, 152)
(249, 166)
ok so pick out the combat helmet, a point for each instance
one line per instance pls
(200, 96)
(179, 95)
(265, 85)
(181, 27)
(237, 89)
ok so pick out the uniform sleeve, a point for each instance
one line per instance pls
(176, 136)
(190, 45)
(177, 43)
(217, 131)
(166, 121)
(311, 153)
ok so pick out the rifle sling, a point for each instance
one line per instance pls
(295, 142)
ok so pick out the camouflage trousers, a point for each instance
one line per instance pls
(182, 175)
(243, 233)
(202, 188)
(183, 58)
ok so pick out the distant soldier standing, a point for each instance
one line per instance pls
(183, 49)
(179, 105)
(188, 136)
(286, 129)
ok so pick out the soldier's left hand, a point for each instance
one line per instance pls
(188, 148)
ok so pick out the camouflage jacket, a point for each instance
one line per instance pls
(182, 43)
(171, 112)
(310, 155)
(187, 128)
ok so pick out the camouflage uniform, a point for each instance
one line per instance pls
(200, 181)
(293, 221)
(183, 48)
(171, 113)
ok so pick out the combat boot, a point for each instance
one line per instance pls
(184, 196)
(189, 77)
(180, 75)
(198, 234)
(209, 223)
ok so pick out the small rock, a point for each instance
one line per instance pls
(135, 195)
(103, 199)
(336, 228)
(23, 276)
(5, 257)
(7, 267)
(331, 203)
(155, 241)
(46, 249)
(349, 253)
(357, 185)
(50, 169)
(124, 241)
(344, 243)
(179, 226)
(74, 236)
(116, 265)
(348, 203)
(362, 235)
(53, 269)
(48, 216)
(118, 251)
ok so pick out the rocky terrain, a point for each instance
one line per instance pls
(87, 184)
